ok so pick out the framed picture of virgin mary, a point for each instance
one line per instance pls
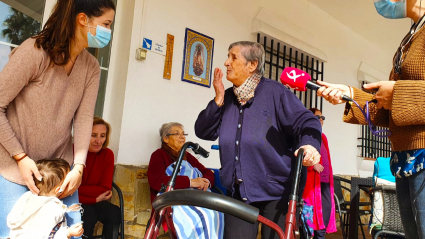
(198, 58)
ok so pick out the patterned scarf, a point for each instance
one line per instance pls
(173, 154)
(246, 91)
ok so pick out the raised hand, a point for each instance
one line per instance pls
(218, 86)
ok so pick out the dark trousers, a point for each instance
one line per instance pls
(273, 210)
(326, 209)
(411, 199)
(108, 214)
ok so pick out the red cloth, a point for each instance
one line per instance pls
(312, 194)
(97, 176)
(159, 162)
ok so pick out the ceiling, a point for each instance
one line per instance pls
(361, 17)
(32, 8)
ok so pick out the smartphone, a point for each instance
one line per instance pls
(373, 91)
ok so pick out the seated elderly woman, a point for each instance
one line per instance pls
(160, 166)
(95, 189)
(173, 137)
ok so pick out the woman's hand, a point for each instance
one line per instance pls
(384, 95)
(104, 196)
(200, 183)
(27, 168)
(75, 230)
(318, 168)
(72, 181)
(311, 156)
(218, 86)
(333, 92)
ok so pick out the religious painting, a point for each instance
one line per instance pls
(198, 58)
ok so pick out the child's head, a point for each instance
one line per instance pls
(53, 172)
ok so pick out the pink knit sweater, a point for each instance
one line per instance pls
(40, 104)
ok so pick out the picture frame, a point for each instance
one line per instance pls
(197, 58)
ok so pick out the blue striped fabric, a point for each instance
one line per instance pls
(195, 222)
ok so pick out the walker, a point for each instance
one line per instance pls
(221, 203)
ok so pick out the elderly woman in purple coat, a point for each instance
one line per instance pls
(260, 125)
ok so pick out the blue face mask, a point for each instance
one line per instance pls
(391, 10)
(101, 39)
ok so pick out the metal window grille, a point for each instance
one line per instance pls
(372, 146)
(279, 56)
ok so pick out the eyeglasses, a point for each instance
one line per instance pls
(177, 134)
(320, 117)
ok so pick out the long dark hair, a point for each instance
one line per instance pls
(59, 31)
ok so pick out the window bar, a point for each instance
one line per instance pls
(284, 56)
(366, 141)
(271, 58)
(388, 147)
(317, 77)
(305, 93)
(302, 65)
(372, 146)
(312, 74)
(258, 40)
(265, 49)
(381, 145)
(384, 152)
(363, 141)
(384, 145)
(321, 98)
(296, 59)
(290, 62)
(378, 146)
(290, 57)
(277, 61)
(296, 66)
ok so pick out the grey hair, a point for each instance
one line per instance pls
(252, 51)
(166, 129)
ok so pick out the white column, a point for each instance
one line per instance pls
(48, 9)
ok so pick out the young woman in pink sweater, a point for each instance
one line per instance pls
(49, 87)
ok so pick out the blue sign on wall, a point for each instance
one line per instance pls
(147, 44)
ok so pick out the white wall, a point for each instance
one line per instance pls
(119, 68)
(149, 100)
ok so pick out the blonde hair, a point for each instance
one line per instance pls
(98, 120)
(53, 172)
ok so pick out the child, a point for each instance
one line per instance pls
(42, 216)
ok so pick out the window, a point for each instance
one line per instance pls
(371, 146)
(280, 56)
(103, 56)
(19, 20)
